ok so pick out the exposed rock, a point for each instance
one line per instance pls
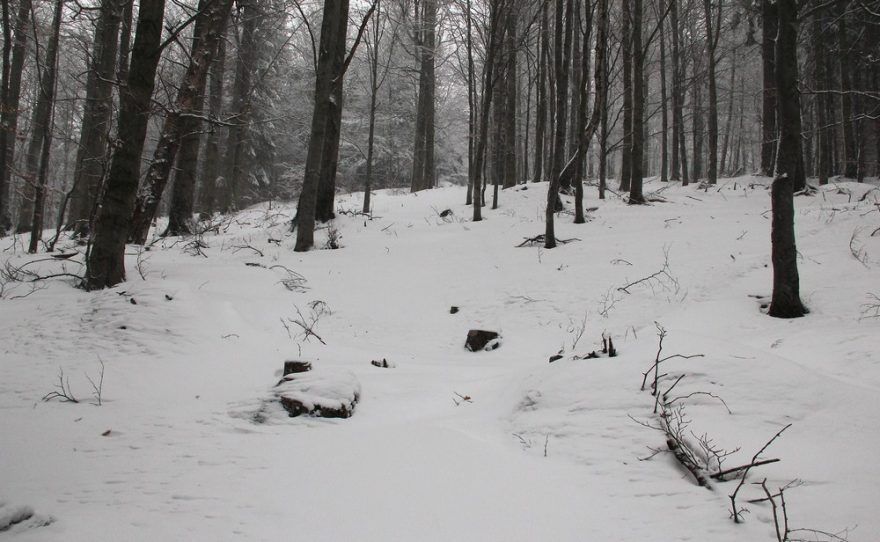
(294, 366)
(453, 309)
(480, 339)
(383, 363)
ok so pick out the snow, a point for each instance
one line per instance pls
(198, 450)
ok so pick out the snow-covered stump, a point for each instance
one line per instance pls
(322, 393)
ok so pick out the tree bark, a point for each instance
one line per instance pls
(664, 105)
(235, 169)
(638, 107)
(9, 114)
(626, 53)
(47, 100)
(541, 98)
(91, 159)
(181, 123)
(712, 29)
(675, 174)
(850, 151)
(561, 65)
(106, 260)
(769, 99)
(210, 175)
(823, 132)
(786, 302)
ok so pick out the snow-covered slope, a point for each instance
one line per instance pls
(450, 445)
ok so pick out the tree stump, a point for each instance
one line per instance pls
(293, 366)
(324, 393)
(480, 339)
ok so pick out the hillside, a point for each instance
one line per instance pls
(189, 444)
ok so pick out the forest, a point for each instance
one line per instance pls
(439, 269)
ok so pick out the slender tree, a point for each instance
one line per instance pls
(769, 98)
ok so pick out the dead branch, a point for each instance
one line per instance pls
(734, 512)
(539, 240)
(62, 390)
(720, 476)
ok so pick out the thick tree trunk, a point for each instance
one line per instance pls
(786, 302)
(91, 159)
(509, 151)
(181, 123)
(697, 116)
(9, 112)
(728, 123)
(769, 99)
(106, 260)
(326, 118)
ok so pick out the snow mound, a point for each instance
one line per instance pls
(324, 393)
(16, 518)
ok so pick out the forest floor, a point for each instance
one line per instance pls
(188, 444)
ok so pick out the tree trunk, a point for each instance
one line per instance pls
(326, 118)
(91, 159)
(182, 123)
(495, 23)
(561, 65)
(664, 106)
(823, 132)
(106, 260)
(786, 302)
(850, 152)
(41, 121)
(768, 102)
(47, 101)
(626, 53)
(235, 169)
(675, 175)
(9, 113)
(638, 107)
(697, 115)
(712, 28)
(210, 175)
(725, 145)
(541, 98)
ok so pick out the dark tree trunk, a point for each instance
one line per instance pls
(823, 132)
(182, 123)
(697, 115)
(562, 59)
(586, 129)
(9, 114)
(125, 40)
(106, 260)
(712, 29)
(638, 107)
(850, 151)
(664, 105)
(496, 9)
(47, 101)
(91, 159)
(675, 174)
(786, 302)
(509, 151)
(626, 52)
(768, 103)
(541, 98)
(208, 184)
(422, 175)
